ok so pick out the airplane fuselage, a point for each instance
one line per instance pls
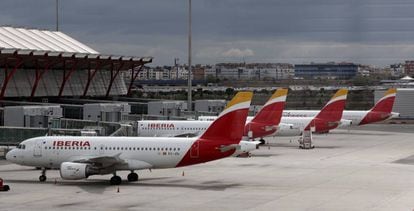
(144, 152)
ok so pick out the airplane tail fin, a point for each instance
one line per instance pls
(386, 103)
(229, 125)
(271, 112)
(333, 110)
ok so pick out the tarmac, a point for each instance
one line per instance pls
(371, 168)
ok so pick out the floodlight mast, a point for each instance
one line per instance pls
(189, 105)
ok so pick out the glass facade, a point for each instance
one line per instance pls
(334, 71)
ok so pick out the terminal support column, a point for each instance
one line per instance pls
(134, 76)
(66, 77)
(113, 76)
(91, 75)
(9, 75)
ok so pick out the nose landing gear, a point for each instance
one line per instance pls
(43, 177)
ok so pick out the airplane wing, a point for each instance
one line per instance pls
(188, 135)
(99, 161)
(103, 162)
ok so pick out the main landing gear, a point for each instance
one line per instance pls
(132, 177)
(43, 177)
(116, 180)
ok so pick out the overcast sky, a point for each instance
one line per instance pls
(378, 32)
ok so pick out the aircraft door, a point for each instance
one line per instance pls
(195, 150)
(37, 148)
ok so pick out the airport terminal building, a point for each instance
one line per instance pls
(41, 63)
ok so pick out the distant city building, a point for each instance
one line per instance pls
(326, 70)
(409, 67)
(252, 71)
(165, 73)
(397, 70)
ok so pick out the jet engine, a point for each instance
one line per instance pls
(74, 171)
(345, 123)
(247, 146)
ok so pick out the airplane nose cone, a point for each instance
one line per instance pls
(11, 155)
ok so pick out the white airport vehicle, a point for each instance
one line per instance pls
(79, 157)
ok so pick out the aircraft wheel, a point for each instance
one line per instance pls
(115, 180)
(42, 178)
(132, 177)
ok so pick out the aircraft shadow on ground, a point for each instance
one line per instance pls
(99, 186)
(18, 170)
(289, 145)
(359, 134)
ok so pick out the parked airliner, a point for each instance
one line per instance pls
(381, 111)
(79, 157)
(265, 123)
(328, 118)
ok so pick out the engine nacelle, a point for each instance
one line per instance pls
(345, 123)
(75, 171)
(245, 147)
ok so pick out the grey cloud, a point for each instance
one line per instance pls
(369, 31)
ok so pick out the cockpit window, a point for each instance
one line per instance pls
(21, 146)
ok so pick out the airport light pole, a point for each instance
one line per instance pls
(57, 15)
(189, 105)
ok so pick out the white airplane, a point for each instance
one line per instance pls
(328, 118)
(265, 123)
(79, 157)
(382, 110)
(322, 121)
